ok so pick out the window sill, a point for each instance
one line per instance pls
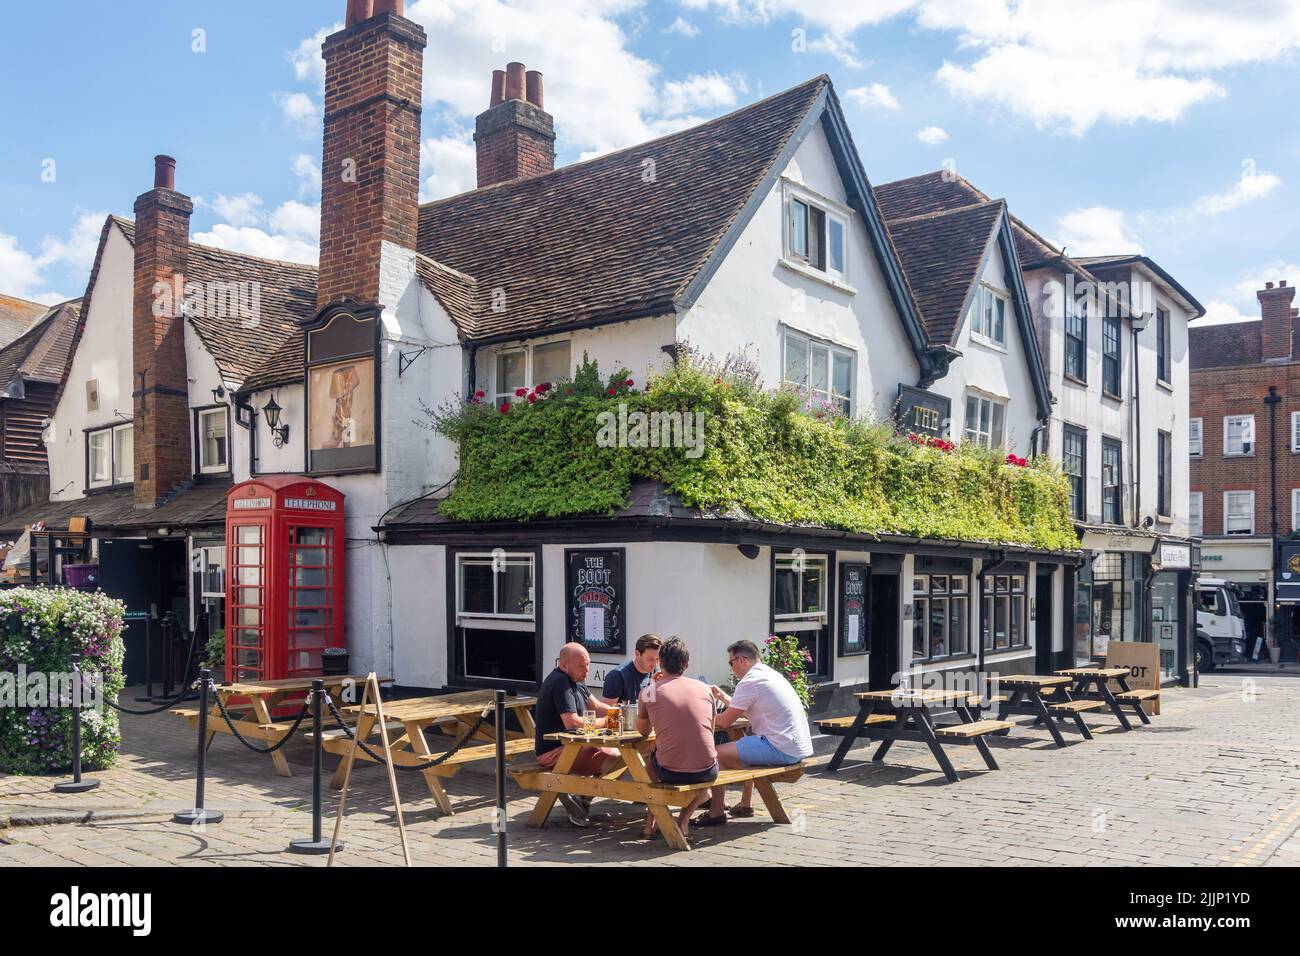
(1167, 386)
(104, 489)
(988, 343)
(1004, 650)
(1113, 396)
(1076, 380)
(944, 659)
(794, 265)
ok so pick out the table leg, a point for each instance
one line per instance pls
(900, 724)
(365, 724)
(767, 792)
(965, 714)
(546, 799)
(420, 746)
(1111, 702)
(525, 717)
(864, 708)
(1045, 716)
(263, 715)
(663, 816)
(922, 719)
(1137, 704)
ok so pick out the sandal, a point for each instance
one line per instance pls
(737, 813)
(704, 820)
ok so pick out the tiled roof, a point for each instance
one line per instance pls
(942, 253)
(193, 506)
(43, 353)
(618, 236)
(456, 292)
(17, 316)
(1231, 343)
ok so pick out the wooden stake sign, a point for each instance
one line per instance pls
(372, 683)
(1143, 661)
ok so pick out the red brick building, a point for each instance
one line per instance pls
(1245, 453)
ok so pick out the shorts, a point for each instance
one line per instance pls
(676, 776)
(589, 762)
(756, 751)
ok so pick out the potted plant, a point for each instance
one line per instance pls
(784, 655)
(214, 655)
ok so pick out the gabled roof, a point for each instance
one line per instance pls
(44, 352)
(17, 316)
(1153, 269)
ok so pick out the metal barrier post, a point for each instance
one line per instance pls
(147, 696)
(315, 844)
(76, 784)
(199, 815)
(168, 641)
(501, 777)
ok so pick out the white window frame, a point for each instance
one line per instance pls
(205, 467)
(115, 475)
(803, 620)
(1196, 514)
(832, 212)
(1295, 509)
(1295, 432)
(1227, 514)
(508, 395)
(810, 343)
(499, 620)
(981, 438)
(219, 561)
(1196, 434)
(986, 293)
(1244, 453)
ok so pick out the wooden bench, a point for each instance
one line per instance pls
(1131, 695)
(1076, 706)
(976, 728)
(838, 726)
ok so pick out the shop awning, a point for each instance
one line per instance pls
(114, 512)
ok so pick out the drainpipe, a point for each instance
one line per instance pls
(1272, 401)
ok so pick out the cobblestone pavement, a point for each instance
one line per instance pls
(1215, 781)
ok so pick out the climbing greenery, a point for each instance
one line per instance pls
(558, 449)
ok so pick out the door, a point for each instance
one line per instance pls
(128, 571)
(1043, 625)
(882, 673)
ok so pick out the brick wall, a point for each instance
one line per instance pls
(514, 138)
(161, 401)
(371, 165)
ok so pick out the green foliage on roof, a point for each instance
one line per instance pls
(574, 447)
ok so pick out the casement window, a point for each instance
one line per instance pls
(210, 565)
(530, 366)
(1196, 514)
(110, 456)
(1162, 344)
(213, 447)
(822, 373)
(1076, 339)
(988, 314)
(1074, 459)
(496, 616)
(1196, 426)
(1112, 511)
(1239, 512)
(801, 603)
(1003, 623)
(815, 235)
(1295, 432)
(1238, 435)
(940, 604)
(1295, 509)
(1164, 473)
(985, 421)
(1110, 355)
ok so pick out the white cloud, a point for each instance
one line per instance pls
(242, 210)
(932, 135)
(297, 220)
(839, 46)
(308, 64)
(257, 242)
(1096, 231)
(308, 173)
(707, 91)
(447, 167)
(872, 95)
(1218, 312)
(25, 274)
(1247, 189)
(683, 27)
(19, 273)
(77, 250)
(300, 110)
(291, 231)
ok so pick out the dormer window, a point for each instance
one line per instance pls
(815, 234)
(212, 431)
(988, 315)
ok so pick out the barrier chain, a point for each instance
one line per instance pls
(170, 703)
(436, 761)
(221, 706)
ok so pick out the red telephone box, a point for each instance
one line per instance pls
(284, 577)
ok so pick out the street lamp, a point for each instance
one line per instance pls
(279, 433)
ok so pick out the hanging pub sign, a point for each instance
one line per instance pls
(342, 390)
(855, 612)
(922, 412)
(594, 582)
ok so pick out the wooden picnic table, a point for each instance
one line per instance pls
(1047, 697)
(452, 714)
(254, 719)
(884, 715)
(1093, 683)
(634, 748)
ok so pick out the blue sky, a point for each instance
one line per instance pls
(1161, 126)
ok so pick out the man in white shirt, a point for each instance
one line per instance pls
(779, 735)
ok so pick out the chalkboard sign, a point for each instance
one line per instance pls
(594, 583)
(855, 609)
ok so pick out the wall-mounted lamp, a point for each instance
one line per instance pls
(219, 394)
(748, 550)
(279, 433)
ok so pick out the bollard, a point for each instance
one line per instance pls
(315, 844)
(76, 784)
(167, 638)
(199, 815)
(501, 776)
(147, 696)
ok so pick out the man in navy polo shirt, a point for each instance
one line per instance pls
(626, 683)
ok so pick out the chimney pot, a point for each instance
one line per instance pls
(1282, 284)
(359, 10)
(1268, 285)
(498, 87)
(514, 81)
(533, 84)
(164, 172)
(394, 7)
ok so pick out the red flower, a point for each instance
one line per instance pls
(532, 399)
(569, 390)
(505, 407)
(611, 391)
(480, 393)
(543, 388)
(520, 392)
(628, 383)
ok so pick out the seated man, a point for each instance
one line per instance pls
(778, 737)
(626, 683)
(680, 711)
(560, 704)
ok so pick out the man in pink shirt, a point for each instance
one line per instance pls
(681, 713)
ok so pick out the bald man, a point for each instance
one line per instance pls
(560, 704)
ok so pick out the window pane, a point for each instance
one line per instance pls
(922, 615)
(814, 586)
(995, 438)
(816, 230)
(551, 363)
(476, 586)
(842, 380)
(123, 454)
(510, 373)
(835, 230)
(938, 627)
(819, 379)
(100, 462)
(515, 587)
(786, 588)
(214, 439)
(999, 332)
(796, 361)
(798, 228)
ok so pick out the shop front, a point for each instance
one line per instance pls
(1247, 562)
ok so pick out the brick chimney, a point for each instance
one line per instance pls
(370, 190)
(1275, 307)
(514, 137)
(161, 388)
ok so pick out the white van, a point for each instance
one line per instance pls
(1220, 625)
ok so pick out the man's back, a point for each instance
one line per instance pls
(774, 710)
